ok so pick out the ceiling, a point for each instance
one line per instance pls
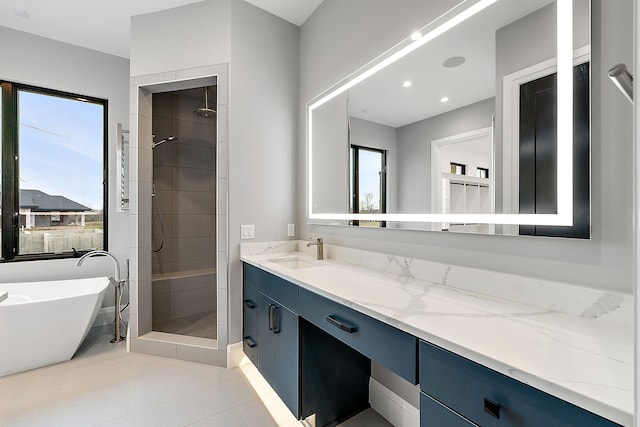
(382, 98)
(105, 26)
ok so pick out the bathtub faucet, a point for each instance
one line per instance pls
(117, 277)
(118, 283)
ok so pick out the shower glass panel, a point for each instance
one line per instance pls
(184, 214)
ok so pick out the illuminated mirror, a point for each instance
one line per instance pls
(454, 113)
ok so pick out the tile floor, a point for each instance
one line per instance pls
(201, 325)
(103, 385)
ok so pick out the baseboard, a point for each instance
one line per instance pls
(392, 407)
(235, 355)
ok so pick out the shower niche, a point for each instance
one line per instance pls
(183, 207)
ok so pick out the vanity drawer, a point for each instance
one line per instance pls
(389, 346)
(278, 289)
(489, 398)
(435, 414)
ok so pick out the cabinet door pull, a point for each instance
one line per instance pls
(270, 317)
(276, 319)
(492, 408)
(341, 324)
(249, 341)
(249, 303)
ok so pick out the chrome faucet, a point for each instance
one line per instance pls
(117, 282)
(319, 247)
(116, 279)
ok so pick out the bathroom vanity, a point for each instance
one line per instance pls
(479, 360)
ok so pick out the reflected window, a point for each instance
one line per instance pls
(56, 191)
(368, 167)
(482, 172)
(458, 169)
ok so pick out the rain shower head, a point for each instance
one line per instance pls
(162, 141)
(205, 112)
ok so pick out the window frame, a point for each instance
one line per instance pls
(9, 186)
(354, 195)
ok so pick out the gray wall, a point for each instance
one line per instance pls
(184, 37)
(331, 48)
(414, 150)
(51, 64)
(263, 104)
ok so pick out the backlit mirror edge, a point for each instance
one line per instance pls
(466, 9)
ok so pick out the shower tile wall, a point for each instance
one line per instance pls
(185, 180)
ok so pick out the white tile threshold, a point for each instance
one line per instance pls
(180, 339)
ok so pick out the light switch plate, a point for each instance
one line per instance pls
(247, 231)
(291, 230)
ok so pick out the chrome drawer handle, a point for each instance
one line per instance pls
(249, 341)
(492, 408)
(342, 325)
(249, 303)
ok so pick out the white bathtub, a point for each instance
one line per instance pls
(42, 323)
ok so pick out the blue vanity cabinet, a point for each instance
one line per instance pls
(394, 349)
(278, 357)
(271, 320)
(459, 390)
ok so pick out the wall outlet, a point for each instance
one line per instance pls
(291, 230)
(247, 231)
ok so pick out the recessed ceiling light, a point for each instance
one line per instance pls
(416, 36)
(444, 99)
(21, 13)
(407, 84)
(454, 61)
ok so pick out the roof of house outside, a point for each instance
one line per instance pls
(39, 201)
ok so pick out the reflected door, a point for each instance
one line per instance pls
(538, 154)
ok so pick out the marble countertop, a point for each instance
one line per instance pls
(584, 360)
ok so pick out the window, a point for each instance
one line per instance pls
(53, 190)
(368, 183)
(482, 172)
(458, 169)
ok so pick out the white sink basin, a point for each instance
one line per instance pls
(294, 262)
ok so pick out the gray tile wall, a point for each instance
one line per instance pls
(185, 179)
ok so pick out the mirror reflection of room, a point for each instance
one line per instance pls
(481, 96)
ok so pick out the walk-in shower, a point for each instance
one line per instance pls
(184, 213)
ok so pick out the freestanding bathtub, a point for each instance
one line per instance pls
(42, 323)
